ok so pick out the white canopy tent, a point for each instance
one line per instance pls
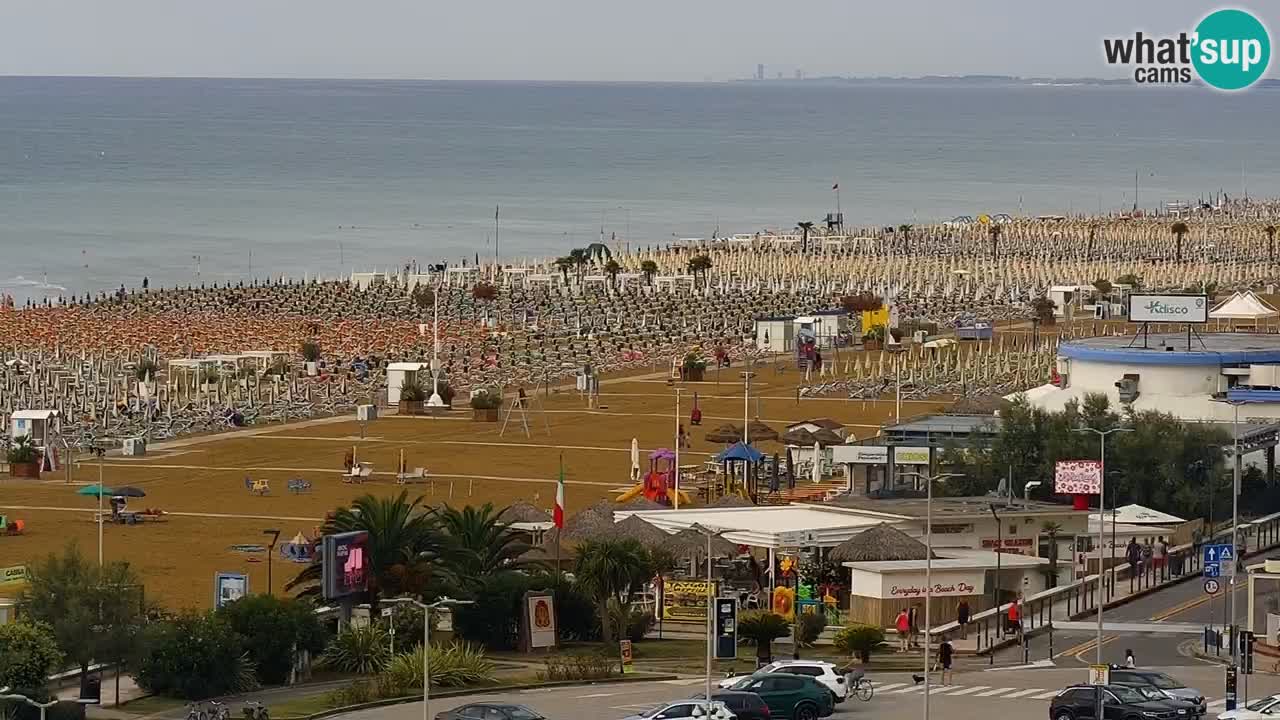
(1139, 515)
(1244, 305)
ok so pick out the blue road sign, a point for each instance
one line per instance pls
(1214, 554)
(1212, 571)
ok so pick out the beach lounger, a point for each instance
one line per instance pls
(419, 475)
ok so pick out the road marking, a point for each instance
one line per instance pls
(1046, 695)
(997, 691)
(888, 686)
(593, 695)
(974, 689)
(938, 689)
(684, 681)
(1022, 693)
(905, 690)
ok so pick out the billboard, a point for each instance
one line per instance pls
(229, 587)
(1169, 308)
(903, 455)
(686, 599)
(860, 454)
(345, 564)
(1077, 477)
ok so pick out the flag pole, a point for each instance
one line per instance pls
(559, 514)
(495, 241)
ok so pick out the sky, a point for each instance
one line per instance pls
(604, 40)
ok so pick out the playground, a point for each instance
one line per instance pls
(206, 495)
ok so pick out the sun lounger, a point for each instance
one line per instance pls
(419, 475)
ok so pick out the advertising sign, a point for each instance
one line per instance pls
(1169, 308)
(541, 616)
(1017, 546)
(15, 574)
(908, 586)
(1077, 477)
(726, 628)
(686, 599)
(904, 455)
(345, 567)
(628, 663)
(860, 454)
(229, 587)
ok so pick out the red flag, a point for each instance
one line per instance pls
(836, 186)
(557, 516)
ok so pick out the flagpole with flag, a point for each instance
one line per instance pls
(836, 188)
(495, 241)
(557, 515)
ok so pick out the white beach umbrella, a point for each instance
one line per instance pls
(635, 460)
(817, 462)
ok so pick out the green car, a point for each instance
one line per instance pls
(790, 697)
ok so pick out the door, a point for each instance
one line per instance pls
(1085, 703)
(766, 688)
(790, 690)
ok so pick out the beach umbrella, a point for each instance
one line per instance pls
(644, 532)
(726, 434)
(817, 462)
(757, 430)
(635, 460)
(882, 543)
(689, 542)
(797, 437)
(523, 512)
(130, 491)
(95, 490)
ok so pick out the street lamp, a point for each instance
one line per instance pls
(711, 602)
(435, 401)
(1102, 538)
(1235, 514)
(929, 480)
(426, 640)
(271, 550)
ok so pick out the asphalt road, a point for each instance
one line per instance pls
(973, 695)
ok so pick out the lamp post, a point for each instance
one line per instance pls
(929, 480)
(746, 409)
(99, 452)
(271, 550)
(435, 400)
(1235, 517)
(426, 641)
(676, 500)
(711, 602)
(1102, 538)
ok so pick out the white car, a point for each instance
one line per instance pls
(685, 709)
(824, 672)
(1267, 708)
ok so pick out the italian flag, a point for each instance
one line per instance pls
(558, 515)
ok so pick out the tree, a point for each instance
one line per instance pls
(1270, 230)
(859, 640)
(564, 263)
(612, 268)
(404, 545)
(273, 630)
(1043, 308)
(1103, 287)
(649, 268)
(699, 265)
(422, 296)
(193, 656)
(479, 544)
(805, 228)
(580, 258)
(1179, 229)
(28, 655)
(762, 628)
(1133, 281)
(609, 569)
(905, 228)
(995, 231)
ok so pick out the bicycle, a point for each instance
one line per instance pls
(219, 711)
(195, 712)
(255, 711)
(863, 689)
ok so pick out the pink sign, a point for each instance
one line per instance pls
(1077, 477)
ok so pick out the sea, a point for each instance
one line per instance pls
(106, 181)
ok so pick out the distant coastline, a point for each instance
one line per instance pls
(999, 80)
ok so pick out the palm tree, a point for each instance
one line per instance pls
(805, 228)
(1051, 530)
(612, 268)
(1270, 230)
(564, 263)
(479, 544)
(700, 264)
(904, 228)
(763, 628)
(995, 231)
(404, 545)
(1178, 229)
(580, 258)
(649, 268)
(608, 570)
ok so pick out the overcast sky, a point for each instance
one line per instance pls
(578, 39)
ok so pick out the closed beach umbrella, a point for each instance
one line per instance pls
(130, 491)
(635, 460)
(817, 462)
(95, 490)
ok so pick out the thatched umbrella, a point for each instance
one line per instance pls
(757, 431)
(878, 544)
(827, 438)
(589, 523)
(641, 502)
(523, 512)
(726, 434)
(980, 405)
(732, 501)
(689, 542)
(799, 437)
(637, 529)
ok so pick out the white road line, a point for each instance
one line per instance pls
(938, 689)
(905, 690)
(1046, 695)
(997, 691)
(593, 695)
(1022, 693)
(888, 686)
(684, 681)
(974, 689)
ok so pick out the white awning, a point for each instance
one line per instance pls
(1244, 305)
(1140, 515)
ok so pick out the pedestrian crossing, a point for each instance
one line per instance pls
(981, 691)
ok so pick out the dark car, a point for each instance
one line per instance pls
(1120, 702)
(746, 705)
(490, 711)
(1170, 685)
(789, 697)
(1186, 708)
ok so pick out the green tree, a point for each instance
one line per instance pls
(699, 265)
(193, 656)
(581, 258)
(564, 263)
(403, 551)
(273, 630)
(762, 628)
(610, 569)
(1179, 230)
(806, 227)
(1130, 279)
(28, 655)
(423, 297)
(649, 268)
(612, 268)
(478, 543)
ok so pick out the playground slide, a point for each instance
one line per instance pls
(638, 490)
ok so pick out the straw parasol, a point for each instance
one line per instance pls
(726, 434)
(757, 430)
(879, 544)
(641, 503)
(590, 522)
(689, 542)
(634, 528)
(827, 438)
(523, 511)
(731, 501)
(798, 437)
(979, 405)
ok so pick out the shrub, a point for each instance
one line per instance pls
(693, 361)
(486, 399)
(412, 391)
(357, 693)
(452, 665)
(859, 640)
(809, 626)
(193, 656)
(310, 350)
(272, 628)
(28, 654)
(581, 666)
(22, 451)
(762, 628)
(363, 650)
(634, 624)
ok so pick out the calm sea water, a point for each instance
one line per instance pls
(103, 181)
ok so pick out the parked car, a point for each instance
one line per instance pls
(824, 672)
(685, 709)
(1267, 708)
(746, 705)
(789, 697)
(1172, 686)
(490, 711)
(1186, 708)
(1120, 702)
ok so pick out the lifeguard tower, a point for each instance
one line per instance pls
(42, 426)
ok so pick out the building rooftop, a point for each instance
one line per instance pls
(1171, 349)
(949, 508)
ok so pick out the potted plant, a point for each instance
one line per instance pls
(485, 404)
(23, 459)
(874, 338)
(311, 354)
(411, 396)
(694, 368)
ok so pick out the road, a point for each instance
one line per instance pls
(974, 695)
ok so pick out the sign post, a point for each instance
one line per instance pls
(1099, 675)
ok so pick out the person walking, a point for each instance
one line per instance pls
(1015, 616)
(1133, 555)
(903, 625)
(1129, 660)
(943, 662)
(1161, 555)
(962, 619)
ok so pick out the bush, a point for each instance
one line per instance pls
(493, 621)
(22, 451)
(762, 628)
(272, 628)
(809, 626)
(412, 391)
(193, 657)
(486, 399)
(362, 650)
(357, 693)
(28, 654)
(859, 640)
(453, 665)
(693, 361)
(584, 666)
(310, 350)
(632, 623)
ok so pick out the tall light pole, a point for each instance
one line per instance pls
(99, 452)
(1102, 538)
(426, 641)
(435, 400)
(1235, 516)
(711, 604)
(929, 480)
(746, 410)
(271, 550)
(676, 469)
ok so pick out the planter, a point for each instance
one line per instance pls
(872, 344)
(484, 414)
(411, 407)
(693, 374)
(25, 470)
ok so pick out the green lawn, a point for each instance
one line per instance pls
(301, 706)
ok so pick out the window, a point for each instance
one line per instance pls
(522, 713)
(494, 714)
(1126, 695)
(788, 683)
(1125, 677)
(682, 710)
(809, 670)
(471, 712)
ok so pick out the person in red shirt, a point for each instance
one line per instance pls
(903, 624)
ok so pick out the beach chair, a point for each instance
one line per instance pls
(257, 487)
(358, 473)
(298, 486)
(419, 475)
